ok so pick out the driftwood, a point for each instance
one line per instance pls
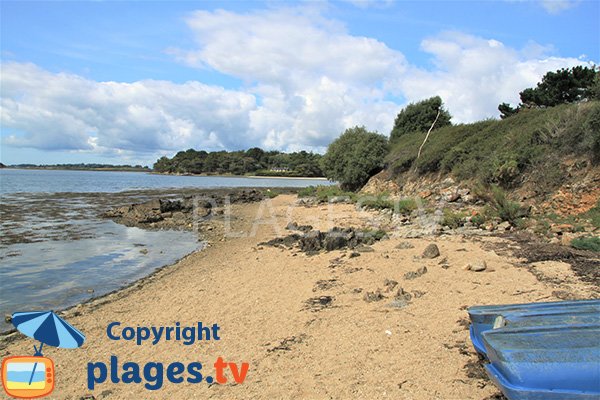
(428, 132)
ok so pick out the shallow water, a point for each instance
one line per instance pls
(54, 274)
(52, 181)
(56, 250)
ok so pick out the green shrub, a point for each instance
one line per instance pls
(405, 206)
(593, 215)
(271, 193)
(378, 202)
(501, 151)
(453, 219)
(325, 193)
(374, 234)
(383, 202)
(354, 157)
(507, 210)
(587, 243)
(308, 191)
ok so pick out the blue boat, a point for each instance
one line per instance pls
(483, 318)
(545, 362)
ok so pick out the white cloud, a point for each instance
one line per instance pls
(68, 112)
(306, 80)
(558, 6)
(473, 75)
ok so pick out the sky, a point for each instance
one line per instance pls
(124, 82)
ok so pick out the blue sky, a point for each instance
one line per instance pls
(127, 82)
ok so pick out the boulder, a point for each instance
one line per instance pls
(431, 251)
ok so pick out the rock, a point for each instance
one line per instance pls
(431, 251)
(339, 199)
(476, 266)
(562, 228)
(415, 274)
(370, 297)
(504, 226)
(318, 303)
(144, 251)
(404, 246)
(8, 318)
(390, 284)
(292, 226)
(364, 249)
(354, 254)
(311, 241)
(452, 197)
(402, 295)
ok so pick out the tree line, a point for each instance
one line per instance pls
(252, 161)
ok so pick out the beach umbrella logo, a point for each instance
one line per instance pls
(29, 377)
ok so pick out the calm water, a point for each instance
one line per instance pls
(53, 181)
(55, 250)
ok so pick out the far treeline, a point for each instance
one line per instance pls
(81, 167)
(254, 161)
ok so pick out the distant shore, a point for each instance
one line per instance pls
(109, 169)
(320, 178)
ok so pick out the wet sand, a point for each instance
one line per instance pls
(269, 304)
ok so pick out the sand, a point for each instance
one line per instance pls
(351, 349)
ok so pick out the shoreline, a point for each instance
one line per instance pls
(263, 298)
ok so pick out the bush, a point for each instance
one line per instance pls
(325, 193)
(507, 210)
(502, 152)
(271, 193)
(593, 215)
(379, 202)
(453, 219)
(418, 117)
(587, 243)
(354, 157)
(383, 202)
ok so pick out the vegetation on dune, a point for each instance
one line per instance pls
(255, 161)
(500, 151)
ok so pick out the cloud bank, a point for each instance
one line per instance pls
(306, 79)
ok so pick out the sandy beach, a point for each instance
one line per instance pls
(311, 326)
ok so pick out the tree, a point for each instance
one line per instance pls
(354, 157)
(418, 117)
(506, 110)
(567, 85)
(563, 86)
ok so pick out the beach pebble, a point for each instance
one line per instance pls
(431, 251)
(476, 266)
(404, 245)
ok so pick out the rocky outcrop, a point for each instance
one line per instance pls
(177, 213)
(335, 239)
